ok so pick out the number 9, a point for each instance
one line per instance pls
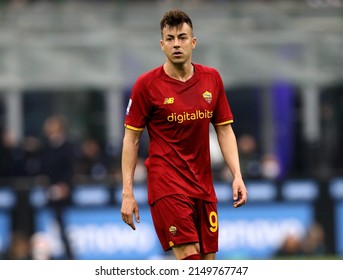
(213, 218)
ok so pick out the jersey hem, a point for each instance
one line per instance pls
(214, 199)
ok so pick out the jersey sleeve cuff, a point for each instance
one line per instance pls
(223, 123)
(133, 128)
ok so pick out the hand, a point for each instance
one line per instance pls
(129, 208)
(59, 191)
(240, 193)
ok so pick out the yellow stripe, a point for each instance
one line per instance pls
(222, 123)
(133, 128)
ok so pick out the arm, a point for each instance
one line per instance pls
(129, 205)
(228, 145)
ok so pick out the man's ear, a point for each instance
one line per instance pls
(194, 42)
(162, 45)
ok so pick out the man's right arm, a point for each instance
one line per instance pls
(129, 160)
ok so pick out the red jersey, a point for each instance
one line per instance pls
(177, 116)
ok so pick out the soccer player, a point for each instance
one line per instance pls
(177, 102)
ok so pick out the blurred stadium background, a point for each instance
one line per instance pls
(282, 65)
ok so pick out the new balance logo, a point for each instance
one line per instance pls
(168, 100)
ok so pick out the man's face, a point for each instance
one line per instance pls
(177, 43)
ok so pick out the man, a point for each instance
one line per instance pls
(57, 168)
(177, 102)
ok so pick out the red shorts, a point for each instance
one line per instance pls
(179, 219)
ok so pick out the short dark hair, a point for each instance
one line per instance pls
(175, 18)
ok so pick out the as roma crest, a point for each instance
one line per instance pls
(207, 96)
(173, 230)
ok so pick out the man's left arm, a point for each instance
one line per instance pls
(228, 145)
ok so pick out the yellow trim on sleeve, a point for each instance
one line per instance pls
(133, 128)
(223, 123)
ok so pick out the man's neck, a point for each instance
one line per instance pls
(179, 72)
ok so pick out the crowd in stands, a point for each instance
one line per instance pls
(55, 156)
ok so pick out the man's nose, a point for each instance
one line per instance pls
(176, 44)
